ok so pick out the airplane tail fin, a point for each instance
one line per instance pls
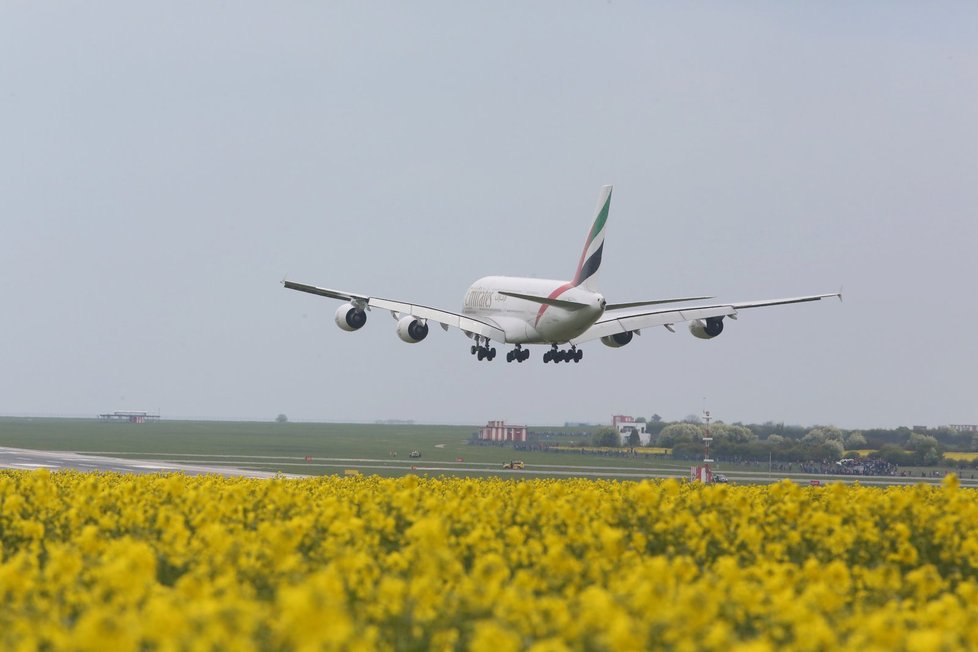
(587, 268)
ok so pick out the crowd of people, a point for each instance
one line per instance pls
(867, 466)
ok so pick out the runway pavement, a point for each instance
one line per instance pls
(21, 458)
(300, 467)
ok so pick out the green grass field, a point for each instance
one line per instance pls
(284, 446)
(274, 447)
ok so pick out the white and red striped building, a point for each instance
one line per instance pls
(499, 431)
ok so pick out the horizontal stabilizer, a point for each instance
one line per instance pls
(654, 302)
(557, 303)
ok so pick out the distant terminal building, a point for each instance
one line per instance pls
(499, 431)
(129, 416)
(626, 425)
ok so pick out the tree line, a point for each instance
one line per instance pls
(778, 442)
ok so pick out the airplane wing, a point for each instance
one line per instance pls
(400, 308)
(624, 322)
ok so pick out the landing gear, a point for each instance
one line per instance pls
(556, 355)
(519, 354)
(483, 351)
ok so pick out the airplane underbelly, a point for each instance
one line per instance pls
(517, 330)
(562, 328)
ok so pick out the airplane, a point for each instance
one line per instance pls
(523, 311)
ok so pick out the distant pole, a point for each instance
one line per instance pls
(706, 445)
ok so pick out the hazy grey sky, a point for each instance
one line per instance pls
(164, 165)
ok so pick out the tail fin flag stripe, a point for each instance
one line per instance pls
(590, 266)
(591, 256)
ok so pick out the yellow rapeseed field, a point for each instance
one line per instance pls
(964, 456)
(169, 562)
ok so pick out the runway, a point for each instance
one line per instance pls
(25, 459)
(272, 466)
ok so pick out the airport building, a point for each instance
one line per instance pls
(129, 416)
(499, 431)
(963, 427)
(625, 425)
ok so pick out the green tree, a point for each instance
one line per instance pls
(927, 450)
(281, 419)
(855, 440)
(732, 433)
(824, 434)
(606, 436)
(634, 439)
(676, 433)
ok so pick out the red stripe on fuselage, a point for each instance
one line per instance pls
(553, 295)
(580, 265)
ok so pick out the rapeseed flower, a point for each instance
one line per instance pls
(170, 562)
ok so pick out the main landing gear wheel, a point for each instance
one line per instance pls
(517, 355)
(483, 351)
(556, 355)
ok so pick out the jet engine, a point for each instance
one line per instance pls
(617, 340)
(411, 330)
(706, 329)
(350, 318)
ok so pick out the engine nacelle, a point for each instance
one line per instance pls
(411, 329)
(350, 318)
(617, 340)
(706, 329)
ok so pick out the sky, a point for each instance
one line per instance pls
(164, 165)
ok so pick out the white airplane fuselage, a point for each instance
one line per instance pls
(531, 322)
